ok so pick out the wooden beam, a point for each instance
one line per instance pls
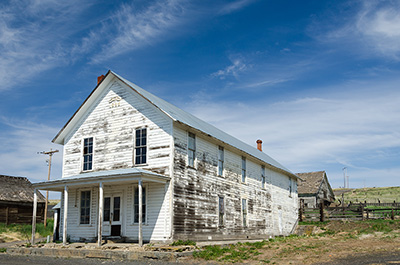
(34, 216)
(65, 215)
(140, 212)
(101, 205)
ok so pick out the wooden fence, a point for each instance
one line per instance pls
(351, 212)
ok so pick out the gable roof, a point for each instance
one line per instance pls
(311, 182)
(177, 115)
(17, 189)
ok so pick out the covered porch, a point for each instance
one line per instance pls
(111, 203)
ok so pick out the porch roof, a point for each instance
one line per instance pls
(117, 176)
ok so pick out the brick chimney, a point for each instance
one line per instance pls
(259, 145)
(100, 78)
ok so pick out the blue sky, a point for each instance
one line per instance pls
(317, 81)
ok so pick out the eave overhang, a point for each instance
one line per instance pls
(115, 177)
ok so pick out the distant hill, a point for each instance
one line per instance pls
(371, 195)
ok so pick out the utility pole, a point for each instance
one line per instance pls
(50, 153)
(344, 177)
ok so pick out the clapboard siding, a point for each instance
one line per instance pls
(113, 129)
(157, 224)
(196, 192)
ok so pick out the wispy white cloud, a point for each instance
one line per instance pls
(21, 140)
(350, 128)
(130, 28)
(32, 43)
(372, 27)
(234, 6)
(234, 69)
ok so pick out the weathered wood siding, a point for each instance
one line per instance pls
(112, 121)
(156, 227)
(20, 212)
(196, 191)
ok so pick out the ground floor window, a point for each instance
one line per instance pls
(136, 205)
(221, 211)
(244, 212)
(85, 207)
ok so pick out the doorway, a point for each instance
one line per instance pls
(112, 215)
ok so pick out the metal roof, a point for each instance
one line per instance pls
(184, 117)
(125, 174)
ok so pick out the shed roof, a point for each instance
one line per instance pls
(181, 116)
(311, 181)
(17, 189)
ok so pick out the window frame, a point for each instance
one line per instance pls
(244, 210)
(221, 219)
(263, 177)
(86, 207)
(191, 161)
(141, 147)
(290, 186)
(221, 161)
(144, 206)
(83, 154)
(244, 171)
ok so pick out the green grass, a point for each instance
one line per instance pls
(26, 230)
(372, 195)
(232, 253)
(3, 250)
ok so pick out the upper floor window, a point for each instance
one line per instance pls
(87, 154)
(263, 176)
(220, 160)
(141, 146)
(85, 207)
(191, 149)
(243, 169)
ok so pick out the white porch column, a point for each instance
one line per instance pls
(34, 216)
(140, 212)
(101, 205)
(65, 215)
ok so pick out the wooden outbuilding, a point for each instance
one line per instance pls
(16, 201)
(314, 189)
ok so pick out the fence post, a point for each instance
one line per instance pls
(392, 217)
(301, 210)
(321, 212)
(367, 214)
(362, 212)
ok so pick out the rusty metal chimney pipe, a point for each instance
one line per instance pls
(259, 145)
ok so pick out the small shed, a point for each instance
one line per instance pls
(314, 189)
(16, 201)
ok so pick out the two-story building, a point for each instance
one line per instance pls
(139, 168)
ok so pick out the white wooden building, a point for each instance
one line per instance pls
(197, 182)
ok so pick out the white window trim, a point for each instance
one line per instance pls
(79, 191)
(195, 150)
(223, 161)
(245, 169)
(134, 147)
(263, 177)
(247, 211)
(223, 221)
(82, 159)
(145, 186)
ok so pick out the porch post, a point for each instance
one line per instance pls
(101, 205)
(140, 212)
(65, 215)
(34, 216)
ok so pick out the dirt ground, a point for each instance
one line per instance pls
(328, 243)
